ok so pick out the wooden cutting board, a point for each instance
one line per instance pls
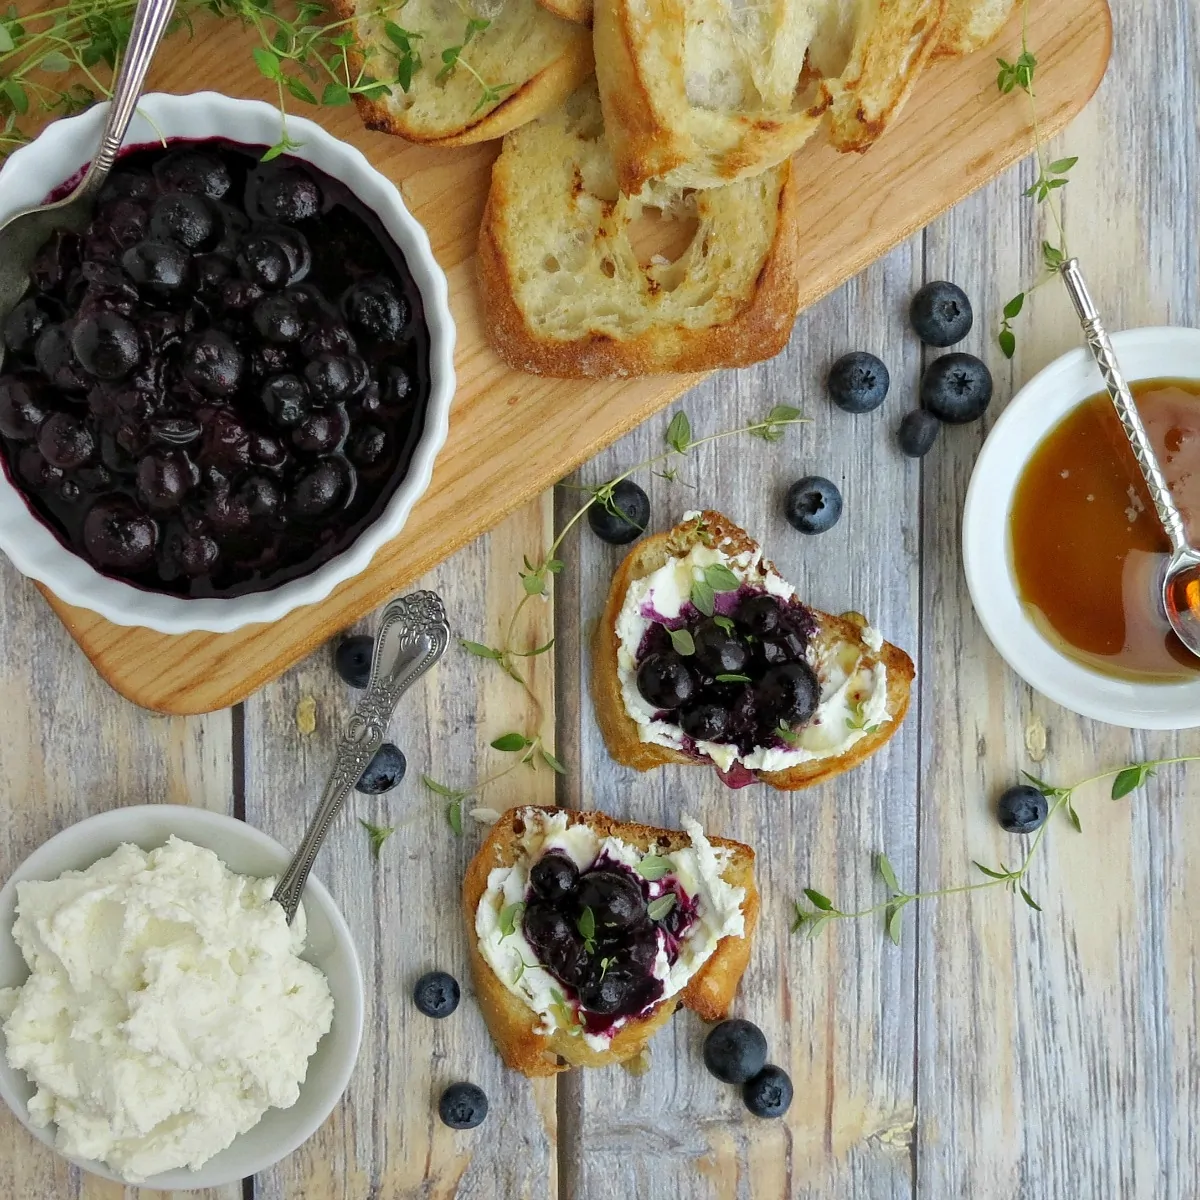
(513, 435)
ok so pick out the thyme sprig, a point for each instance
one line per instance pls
(1126, 779)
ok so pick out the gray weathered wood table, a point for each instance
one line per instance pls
(996, 1052)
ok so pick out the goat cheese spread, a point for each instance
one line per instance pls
(853, 688)
(166, 1010)
(698, 868)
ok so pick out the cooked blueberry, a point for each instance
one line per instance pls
(226, 443)
(640, 947)
(917, 433)
(106, 346)
(118, 535)
(384, 771)
(321, 431)
(665, 681)
(126, 184)
(956, 388)
(623, 517)
(463, 1106)
(758, 615)
(35, 470)
(320, 489)
(373, 308)
(554, 875)
(54, 262)
(278, 318)
(157, 264)
(858, 382)
(183, 218)
(788, 693)
(23, 324)
(555, 941)
(193, 171)
(195, 553)
(813, 504)
(212, 272)
(267, 451)
(289, 195)
(65, 441)
(367, 446)
(614, 897)
(225, 512)
(607, 991)
(735, 1051)
(769, 1093)
(260, 496)
(352, 658)
(1022, 809)
(56, 359)
(705, 722)
(436, 994)
(718, 651)
(212, 362)
(173, 431)
(263, 261)
(335, 377)
(396, 390)
(22, 409)
(164, 477)
(941, 314)
(240, 295)
(784, 647)
(285, 397)
(124, 221)
(328, 336)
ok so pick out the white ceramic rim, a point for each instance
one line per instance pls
(58, 153)
(1152, 353)
(193, 825)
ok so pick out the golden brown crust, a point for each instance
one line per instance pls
(620, 730)
(760, 330)
(578, 11)
(513, 1025)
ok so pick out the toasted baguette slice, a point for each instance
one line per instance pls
(514, 1026)
(579, 11)
(699, 93)
(564, 292)
(621, 732)
(530, 59)
(972, 24)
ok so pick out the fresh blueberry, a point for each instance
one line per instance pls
(735, 1051)
(352, 658)
(384, 771)
(463, 1106)
(622, 518)
(436, 994)
(665, 681)
(956, 388)
(858, 382)
(769, 1093)
(1022, 809)
(941, 314)
(554, 876)
(813, 504)
(917, 433)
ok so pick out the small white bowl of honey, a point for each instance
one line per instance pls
(1062, 549)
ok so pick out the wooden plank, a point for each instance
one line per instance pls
(385, 1138)
(512, 435)
(832, 1010)
(1057, 1052)
(69, 748)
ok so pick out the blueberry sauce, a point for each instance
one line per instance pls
(220, 383)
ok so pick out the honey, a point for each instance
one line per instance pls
(1086, 545)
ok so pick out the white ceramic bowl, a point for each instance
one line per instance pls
(1033, 412)
(247, 851)
(64, 147)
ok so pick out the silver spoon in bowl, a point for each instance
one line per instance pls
(413, 635)
(25, 232)
(1181, 579)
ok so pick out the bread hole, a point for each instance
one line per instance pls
(608, 267)
(550, 263)
(658, 238)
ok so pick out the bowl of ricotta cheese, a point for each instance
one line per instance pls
(162, 1024)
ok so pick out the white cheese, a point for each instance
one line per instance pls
(697, 867)
(853, 686)
(166, 1010)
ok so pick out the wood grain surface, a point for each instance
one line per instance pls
(997, 1053)
(512, 435)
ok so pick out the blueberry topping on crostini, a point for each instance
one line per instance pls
(917, 433)
(769, 1093)
(436, 994)
(463, 1106)
(384, 771)
(623, 517)
(719, 650)
(735, 1051)
(556, 941)
(352, 658)
(956, 388)
(1022, 809)
(665, 681)
(706, 722)
(789, 693)
(858, 382)
(614, 897)
(758, 614)
(554, 876)
(813, 504)
(941, 314)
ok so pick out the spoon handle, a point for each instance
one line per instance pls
(413, 635)
(150, 20)
(1106, 359)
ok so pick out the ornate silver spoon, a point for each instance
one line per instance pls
(413, 635)
(1181, 580)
